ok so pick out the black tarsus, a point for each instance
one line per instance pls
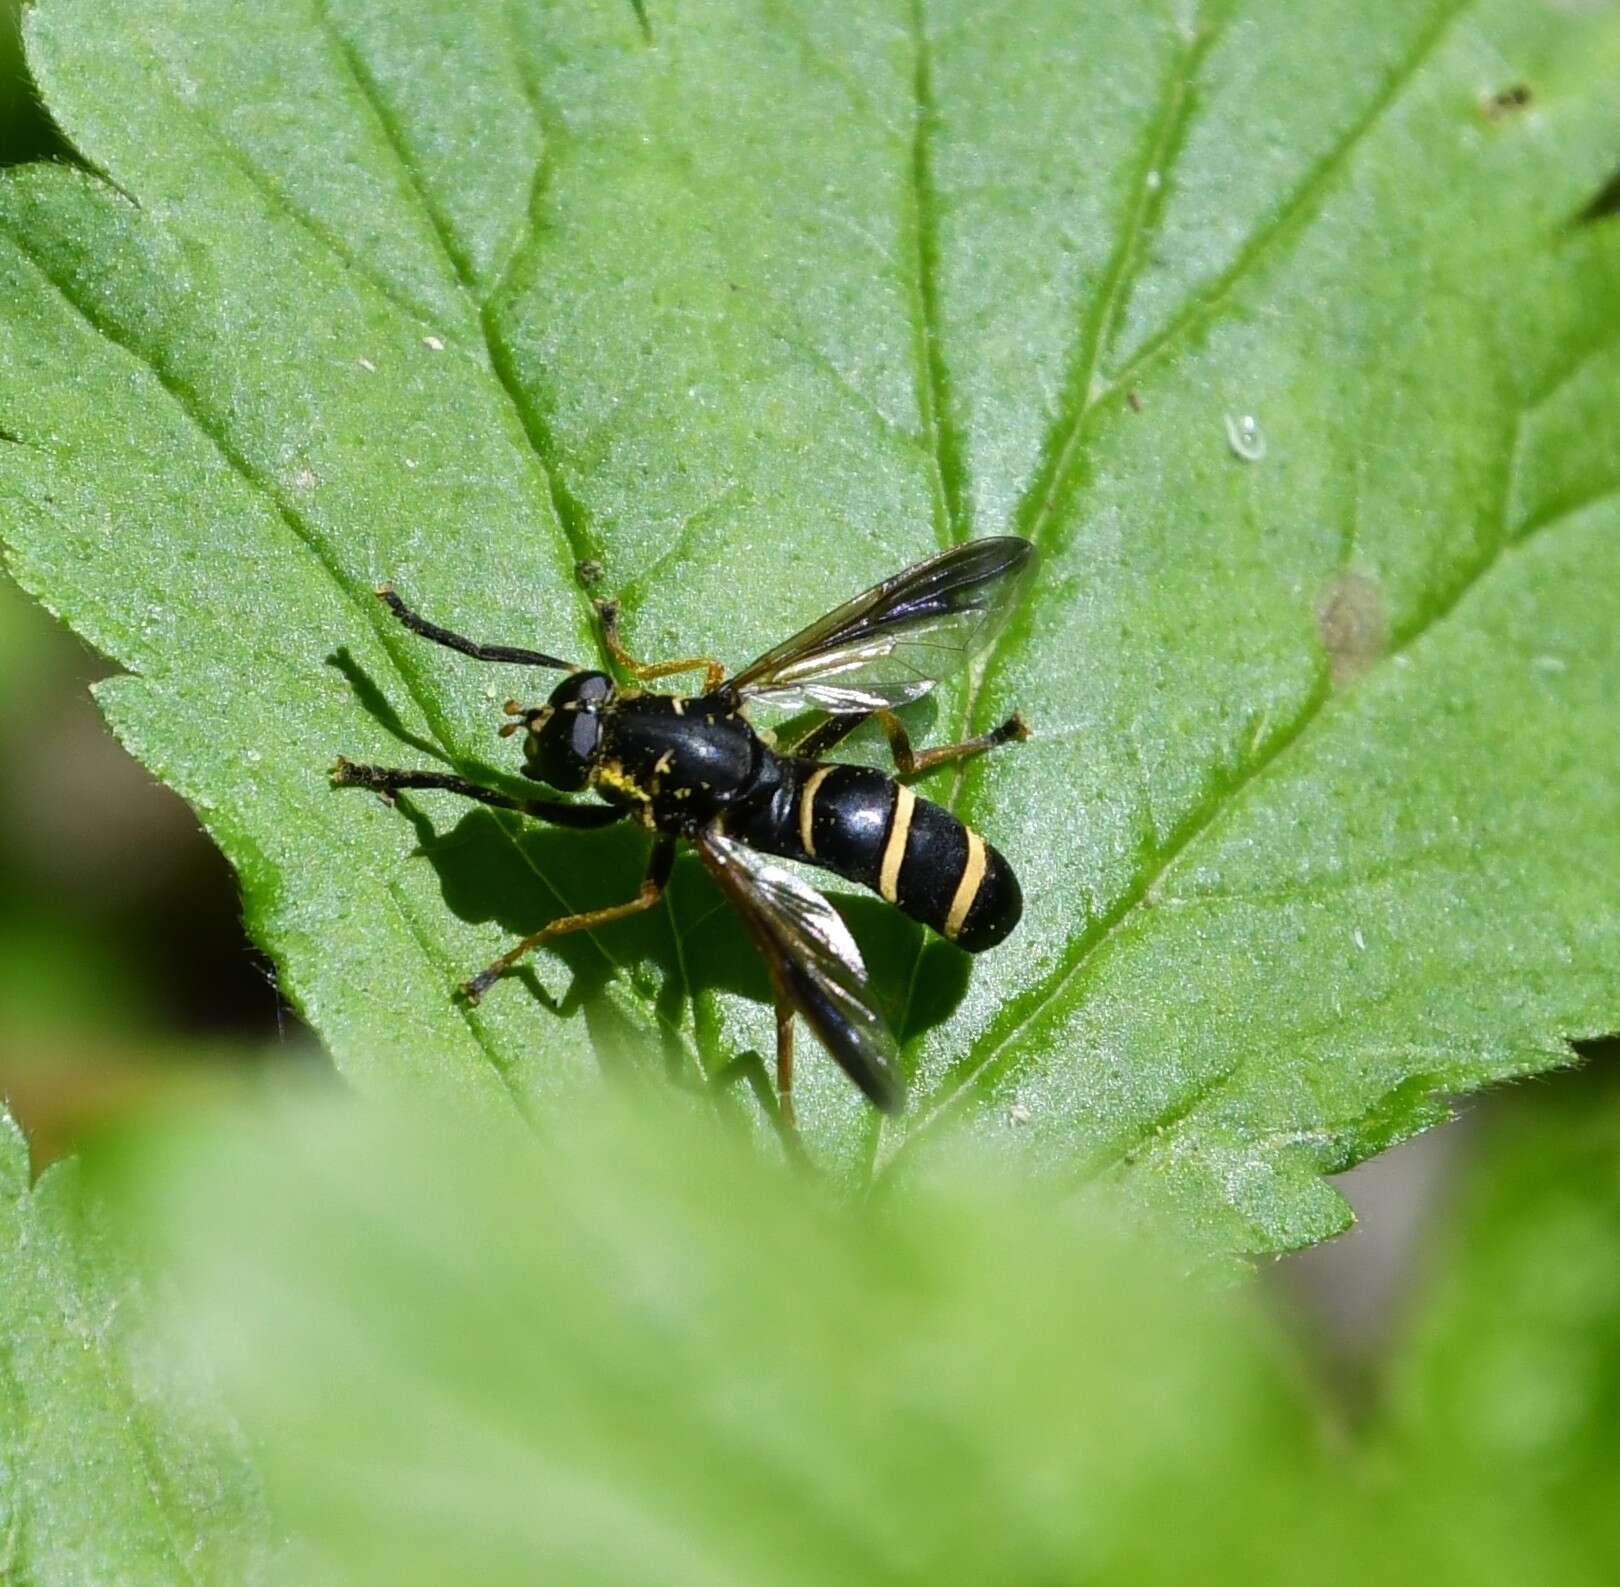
(467, 647)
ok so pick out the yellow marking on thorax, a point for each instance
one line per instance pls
(679, 704)
(615, 776)
(894, 851)
(967, 889)
(807, 808)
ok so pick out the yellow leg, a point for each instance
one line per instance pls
(652, 889)
(909, 763)
(644, 672)
(784, 1066)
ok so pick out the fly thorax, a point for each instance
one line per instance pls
(687, 757)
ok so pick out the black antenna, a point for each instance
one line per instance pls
(467, 647)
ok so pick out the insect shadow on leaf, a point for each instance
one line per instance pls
(489, 869)
(375, 704)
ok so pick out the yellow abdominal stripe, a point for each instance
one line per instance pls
(968, 888)
(894, 851)
(807, 806)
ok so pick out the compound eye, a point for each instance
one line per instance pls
(584, 733)
(582, 691)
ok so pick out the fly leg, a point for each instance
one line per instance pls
(652, 889)
(389, 780)
(784, 1067)
(826, 735)
(644, 672)
(750, 1068)
(912, 763)
(467, 647)
(908, 762)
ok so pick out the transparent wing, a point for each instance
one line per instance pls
(813, 961)
(895, 642)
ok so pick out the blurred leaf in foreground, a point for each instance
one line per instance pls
(638, 1353)
(116, 1463)
(1287, 331)
(1505, 1405)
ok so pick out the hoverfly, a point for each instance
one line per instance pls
(692, 767)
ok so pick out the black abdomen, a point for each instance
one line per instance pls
(870, 829)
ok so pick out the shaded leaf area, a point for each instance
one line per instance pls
(759, 301)
(1506, 1396)
(25, 132)
(116, 1461)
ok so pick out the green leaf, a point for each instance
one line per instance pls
(629, 1348)
(634, 1351)
(754, 302)
(116, 1462)
(1506, 1399)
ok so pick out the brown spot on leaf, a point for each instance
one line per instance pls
(1353, 622)
(1506, 102)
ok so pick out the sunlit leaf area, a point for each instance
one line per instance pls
(1251, 1213)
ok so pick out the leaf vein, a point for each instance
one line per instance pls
(324, 556)
(193, 410)
(1166, 136)
(934, 407)
(121, 1396)
(1202, 306)
(996, 1053)
(317, 230)
(529, 424)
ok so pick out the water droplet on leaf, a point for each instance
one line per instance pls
(1244, 437)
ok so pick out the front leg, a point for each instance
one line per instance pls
(653, 884)
(389, 780)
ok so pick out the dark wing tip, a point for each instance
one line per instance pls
(886, 1092)
(1015, 548)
